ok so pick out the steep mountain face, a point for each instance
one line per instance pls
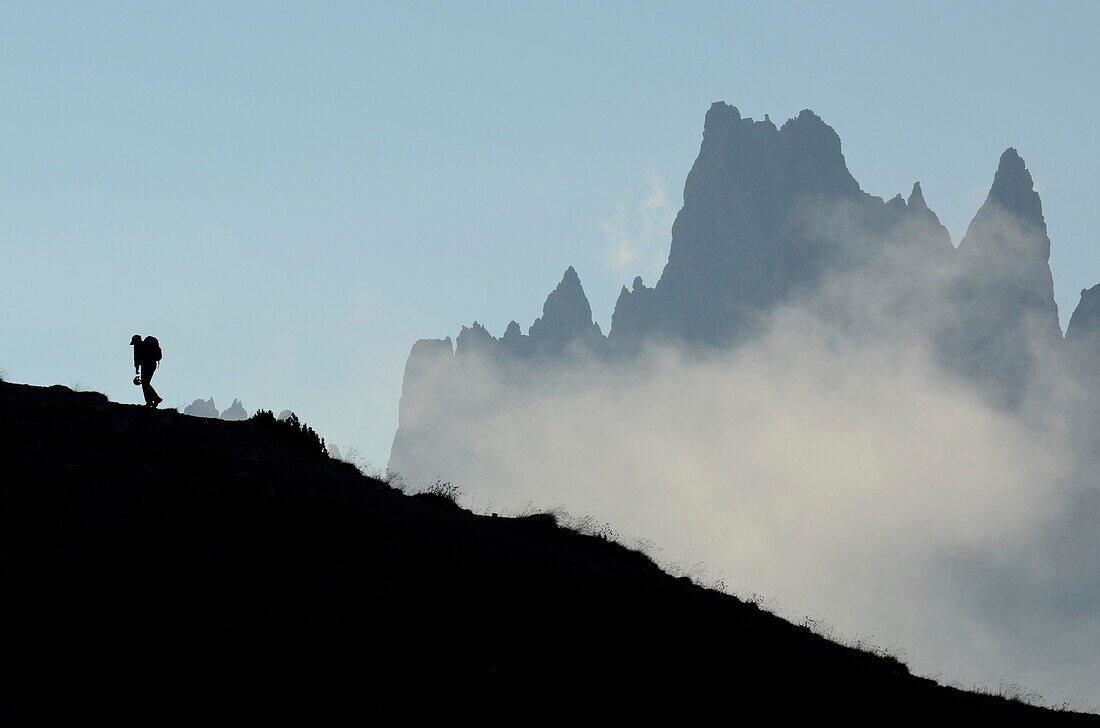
(1084, 325)
(756, 229)
(1004, 294)
(1083, 336)
(428, 383)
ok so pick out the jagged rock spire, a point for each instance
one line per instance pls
(1014, 190)
(566, 317)
(474, 338)
(1012, 204)
(916, 199)
(738, 244)
(1005, 292)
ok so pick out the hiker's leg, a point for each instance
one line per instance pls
(147, 388)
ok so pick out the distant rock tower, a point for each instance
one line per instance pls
(202, 408)
(236, 411)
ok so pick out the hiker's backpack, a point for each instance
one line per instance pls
(152, 348)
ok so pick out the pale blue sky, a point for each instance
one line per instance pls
(290, 194)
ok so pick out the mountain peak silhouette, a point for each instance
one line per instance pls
(566, 317)
(1014, 190)
(916, 199)
(769, 214)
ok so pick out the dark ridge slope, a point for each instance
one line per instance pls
(156, 564)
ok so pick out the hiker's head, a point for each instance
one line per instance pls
(135, 340)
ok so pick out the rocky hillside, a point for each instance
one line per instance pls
(156, 565)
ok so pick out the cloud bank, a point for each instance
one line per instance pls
(636, 239)
(853, 463)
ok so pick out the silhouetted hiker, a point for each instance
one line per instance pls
(146, 355)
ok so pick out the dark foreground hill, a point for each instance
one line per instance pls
(155, 565)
